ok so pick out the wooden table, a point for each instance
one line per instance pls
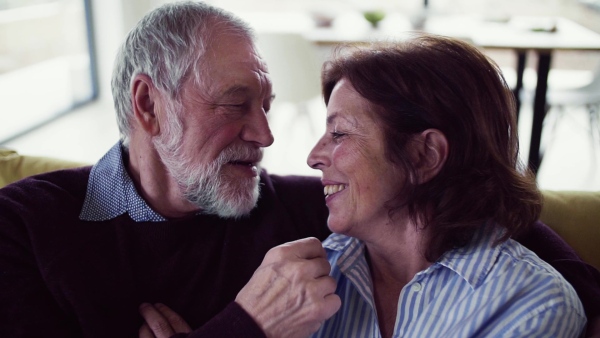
(521, 34)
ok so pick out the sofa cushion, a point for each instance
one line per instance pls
(575, 216)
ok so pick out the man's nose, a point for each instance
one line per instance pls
(257, 130)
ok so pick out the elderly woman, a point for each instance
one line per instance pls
(424, 190)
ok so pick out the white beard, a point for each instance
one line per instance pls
(207, 185)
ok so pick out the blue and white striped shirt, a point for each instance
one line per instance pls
(475, 291)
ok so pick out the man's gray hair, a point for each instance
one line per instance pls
(168, 45)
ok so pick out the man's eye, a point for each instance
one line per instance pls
(236, 106)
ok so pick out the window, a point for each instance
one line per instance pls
(47, 64)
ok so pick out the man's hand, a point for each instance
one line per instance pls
(291, 293)
(161, 322)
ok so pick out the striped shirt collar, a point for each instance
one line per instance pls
(458, 260)
(461, 260)
(111, 192)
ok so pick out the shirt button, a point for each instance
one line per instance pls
(416, 287)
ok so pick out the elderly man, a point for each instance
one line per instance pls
(168, 215)
(178, 212)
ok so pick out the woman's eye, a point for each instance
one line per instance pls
(336, 135)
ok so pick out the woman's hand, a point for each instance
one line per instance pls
(161, 321)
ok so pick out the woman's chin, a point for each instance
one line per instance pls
(337, 227)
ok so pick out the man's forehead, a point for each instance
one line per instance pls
(232, 65)
(233, 53)
(230, 46)
(237, 80)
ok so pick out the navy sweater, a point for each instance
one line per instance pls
(63, 277)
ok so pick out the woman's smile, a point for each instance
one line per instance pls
(332, 189)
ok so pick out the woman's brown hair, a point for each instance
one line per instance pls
(446, 84)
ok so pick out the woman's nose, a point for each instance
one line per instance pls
(317, 158)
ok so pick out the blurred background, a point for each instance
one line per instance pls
(56, 60)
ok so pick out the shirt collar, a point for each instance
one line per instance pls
(111, 192)
(351, 249)
(472, 262)
(351, 262)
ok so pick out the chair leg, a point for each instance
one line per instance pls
(550, 127)
(594, 121)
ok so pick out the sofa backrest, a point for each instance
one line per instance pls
(575, 216)
(14, 167)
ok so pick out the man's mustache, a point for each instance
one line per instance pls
(240, 154)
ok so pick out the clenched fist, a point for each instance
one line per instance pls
(291, 293)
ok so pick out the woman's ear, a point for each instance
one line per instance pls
(144, 99)
(431, 149)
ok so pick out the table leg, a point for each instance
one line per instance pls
(521, 59)
(539, 109)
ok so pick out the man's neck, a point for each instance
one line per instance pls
(154, 182)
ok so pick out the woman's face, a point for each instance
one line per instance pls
(357, 176)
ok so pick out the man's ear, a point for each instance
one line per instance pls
(431, 149)
(144, 98)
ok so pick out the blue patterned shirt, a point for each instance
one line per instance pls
(475, 291)
(111, 192)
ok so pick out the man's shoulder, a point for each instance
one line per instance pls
(297, 198)
(48, 188)
(303, 192)
(43, 207)
(291, 179)
(308, 185)
(62, 177)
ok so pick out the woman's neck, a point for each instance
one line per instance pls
(394, 260)
(398, 255)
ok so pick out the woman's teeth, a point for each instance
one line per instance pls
(332, 189)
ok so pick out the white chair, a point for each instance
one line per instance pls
(567, 89)
(587, 96)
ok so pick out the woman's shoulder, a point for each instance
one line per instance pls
(528, 274)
